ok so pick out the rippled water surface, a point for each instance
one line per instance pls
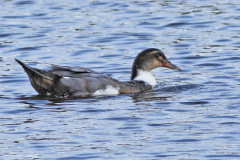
(192, 114)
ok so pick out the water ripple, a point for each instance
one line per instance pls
(192, 114)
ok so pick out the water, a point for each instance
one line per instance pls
(192, 114)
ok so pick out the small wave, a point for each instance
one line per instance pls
(177, 88)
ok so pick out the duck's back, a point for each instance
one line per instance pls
(77, 72)
(83, 82)
(63, 81)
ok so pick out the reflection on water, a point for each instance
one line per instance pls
(192, 114)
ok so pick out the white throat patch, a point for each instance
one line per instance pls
(146, 77)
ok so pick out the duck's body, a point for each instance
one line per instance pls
(63, 81)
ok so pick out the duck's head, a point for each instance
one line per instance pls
(150, 59)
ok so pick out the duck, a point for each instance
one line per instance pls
(70, 82)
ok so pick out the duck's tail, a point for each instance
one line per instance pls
(42, 81)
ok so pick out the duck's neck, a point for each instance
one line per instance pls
(146, 76)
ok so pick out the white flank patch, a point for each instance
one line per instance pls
(66, 77)
(109, 90)
(146, 77)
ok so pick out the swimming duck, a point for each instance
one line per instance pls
(65, 82)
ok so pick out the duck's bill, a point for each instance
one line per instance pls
(168, 64)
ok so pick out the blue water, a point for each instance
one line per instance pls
(192, 114)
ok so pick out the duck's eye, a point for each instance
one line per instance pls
(158, 54)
